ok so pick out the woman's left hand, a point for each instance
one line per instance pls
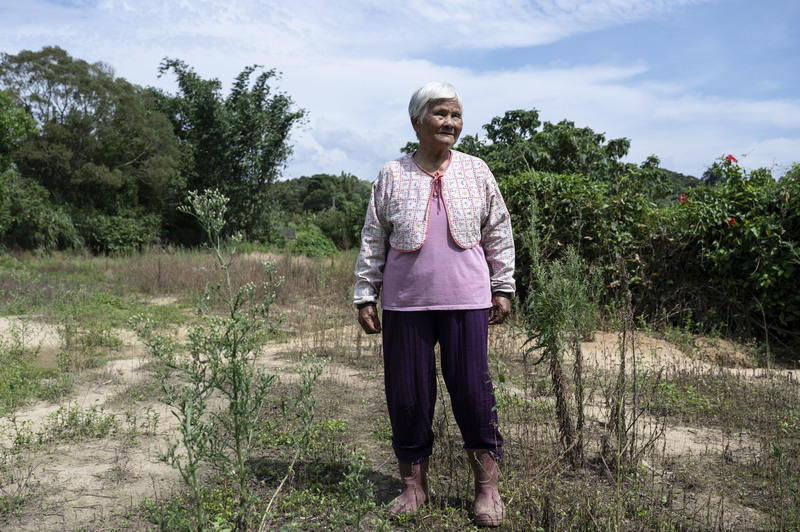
(501, 307)
(368, 319)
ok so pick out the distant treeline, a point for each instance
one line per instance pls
(88, 160)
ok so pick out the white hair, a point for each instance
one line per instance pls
(431, 92)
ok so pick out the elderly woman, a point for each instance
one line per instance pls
(437, 248)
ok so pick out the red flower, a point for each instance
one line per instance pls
(731, 222)
(731, 159)
(682, 198)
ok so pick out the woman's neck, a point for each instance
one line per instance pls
(432, 161)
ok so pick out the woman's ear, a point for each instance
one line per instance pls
(415, 124)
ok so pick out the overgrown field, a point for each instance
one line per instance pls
(104, 381)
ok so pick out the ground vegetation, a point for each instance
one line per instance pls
(676, 431)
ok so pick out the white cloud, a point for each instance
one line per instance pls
(688, 131)
(354, 64)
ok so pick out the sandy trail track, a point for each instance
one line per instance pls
(94, 484)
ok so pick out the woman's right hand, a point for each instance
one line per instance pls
(368, 319)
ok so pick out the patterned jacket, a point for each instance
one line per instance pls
(398, 216)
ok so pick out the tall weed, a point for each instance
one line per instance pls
(220, 369)
(559, 312)
(18, 376)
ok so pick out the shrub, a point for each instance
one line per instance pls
(29, 220)
(311, 241)
(603, 220)
(222, 362)
(726, 254)
(742, 236)
(120, 234)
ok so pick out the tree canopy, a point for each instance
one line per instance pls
(99, 145)
(518, 142)
(116, 159)
(334, 204)
(16, 126)
(237, 144)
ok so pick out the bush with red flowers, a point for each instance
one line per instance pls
(739, 245)
(728, 255)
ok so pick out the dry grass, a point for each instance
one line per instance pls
(710, 447)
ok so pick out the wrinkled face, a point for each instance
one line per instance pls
(440, 125)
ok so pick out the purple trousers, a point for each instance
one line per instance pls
(410, 378)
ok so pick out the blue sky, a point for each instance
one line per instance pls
(686, 80)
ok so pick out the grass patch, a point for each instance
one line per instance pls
(714, 448)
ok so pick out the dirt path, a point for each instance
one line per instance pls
(95, 484)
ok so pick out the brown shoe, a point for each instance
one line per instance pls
(415, 489)
(489, 508)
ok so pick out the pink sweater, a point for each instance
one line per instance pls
(401, 212)
(438, 276)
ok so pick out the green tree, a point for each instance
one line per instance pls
(16, 126)
(101, 147)
(519, 142)
(713, 175)
(237, 144)
(410, 147)
(335, 204)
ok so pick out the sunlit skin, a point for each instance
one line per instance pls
(438, 131)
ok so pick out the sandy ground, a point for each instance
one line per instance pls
(95, 484)
(89, 483)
